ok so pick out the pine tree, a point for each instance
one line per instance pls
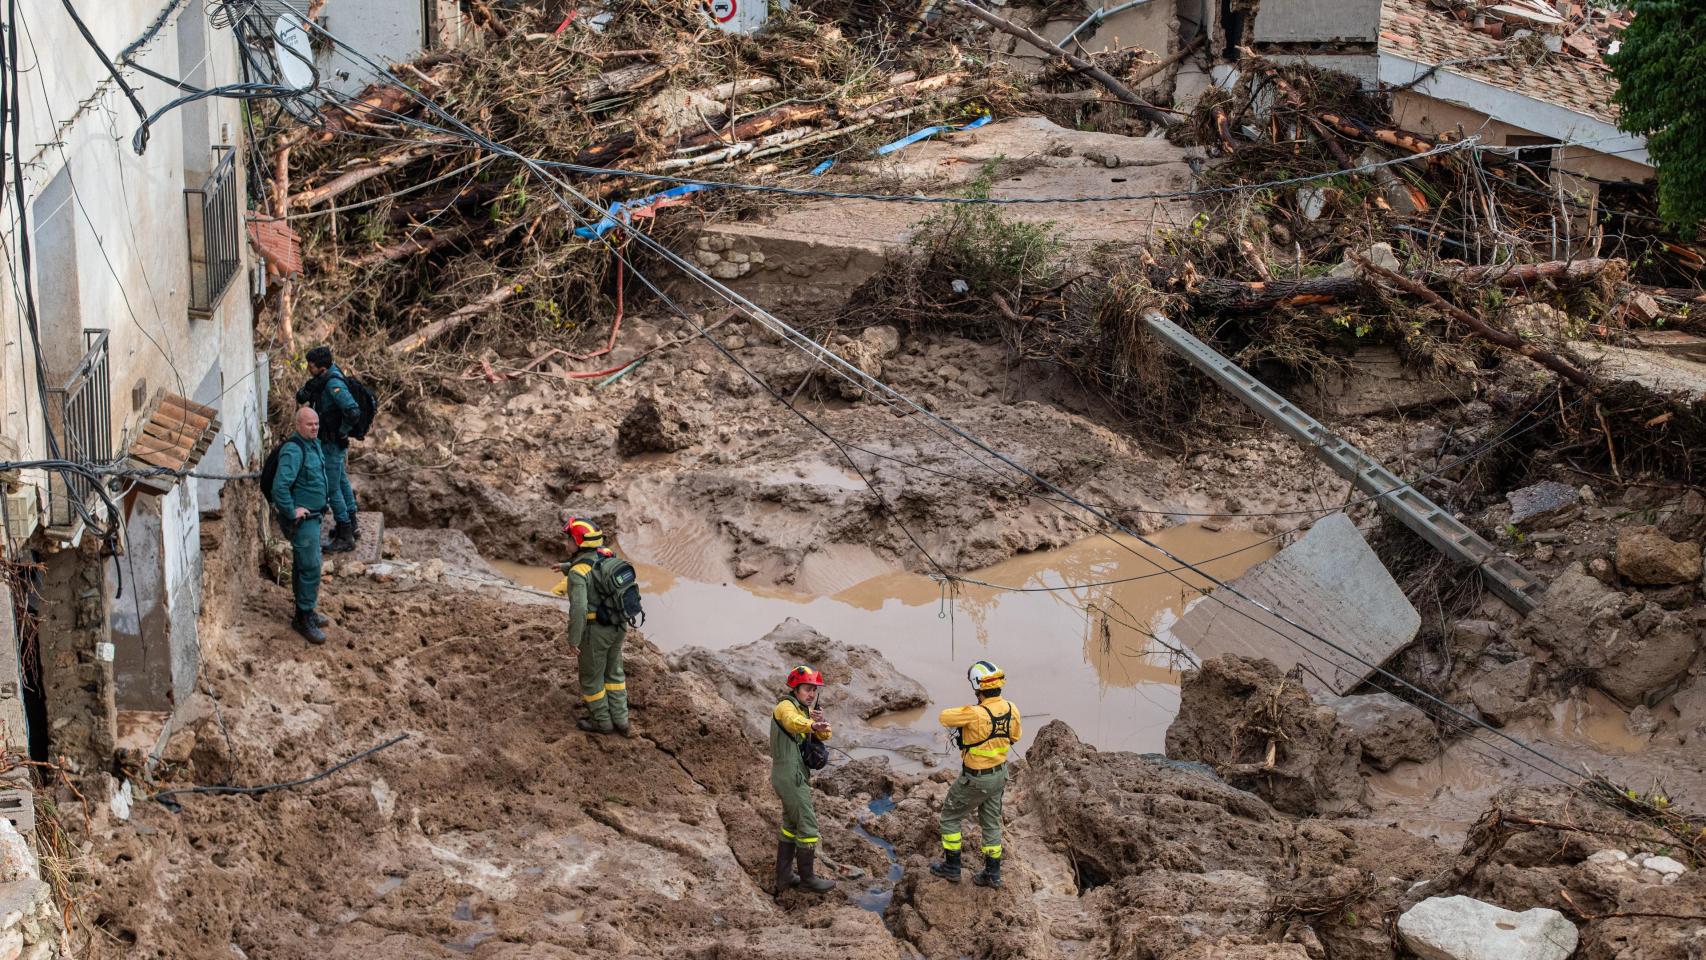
(1661, 76)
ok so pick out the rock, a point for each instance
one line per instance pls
(1641, 722)
(1224, 706)
(1470, 637)
(1159, 912)
(1390, 729)
(16, 860)
(1631, 649)
(1664, 866)
(1502, 692)
(1646, 556)
(869, 352)
(860, 683)
(1682, 519)
(657, 425)
(1541, 500)
(1463, 928)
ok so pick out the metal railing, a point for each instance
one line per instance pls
(216, 234)
(83, 409)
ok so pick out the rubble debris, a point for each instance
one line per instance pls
(1389, 729)
(1329, 581)
(1261, 730)
(659, 423)
(1502, 692)
(1541, 501)
(1463, 928)
(1646, 556)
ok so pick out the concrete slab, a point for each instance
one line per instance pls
(368, 545)
(1659, 372)
(1376, 381)
(819, 251)
(1329, 581)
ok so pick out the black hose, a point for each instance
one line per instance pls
(164, 797)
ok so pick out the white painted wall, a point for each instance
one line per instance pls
(118, 223)
(387, 31)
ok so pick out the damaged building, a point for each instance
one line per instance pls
(130, 318)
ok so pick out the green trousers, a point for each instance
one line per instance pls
(305, 562)
(604, 686)
(799, 820)
(338, 491)
(981, 794)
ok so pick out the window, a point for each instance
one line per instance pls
(216, 234)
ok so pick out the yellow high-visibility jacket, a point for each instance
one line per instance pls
(978, 749)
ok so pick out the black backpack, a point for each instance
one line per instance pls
(269, 469)
(365, 400)
(618, 593)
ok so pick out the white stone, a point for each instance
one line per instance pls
(119, 802)
(708, 258)
(11, 944)
(16, 860)
(1664, 865)
(1609, 857)
(1463, 928)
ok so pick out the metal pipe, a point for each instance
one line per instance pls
(1101, 13)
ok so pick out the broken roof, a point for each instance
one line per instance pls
(173, 438)
(1416, 30)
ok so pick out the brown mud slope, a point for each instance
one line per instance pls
(706, 474)
(498, 831)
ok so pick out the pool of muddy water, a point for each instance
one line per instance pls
(1075, 628)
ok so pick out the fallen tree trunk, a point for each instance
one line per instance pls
(621, 80)
(1391, 136)
(758, 124)
(360, 175)
(1144, 108)
(1482, 329)
(1216, 294)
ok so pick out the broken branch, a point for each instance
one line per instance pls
(1482, 328)
(1145, 109)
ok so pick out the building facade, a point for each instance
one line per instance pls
(128, 340)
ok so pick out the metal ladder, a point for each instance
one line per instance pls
(1513, 584)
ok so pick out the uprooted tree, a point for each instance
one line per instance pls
(1665, 43)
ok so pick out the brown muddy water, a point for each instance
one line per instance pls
(1075, 631)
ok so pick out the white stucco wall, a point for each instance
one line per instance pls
(118, 222)
(387, 31)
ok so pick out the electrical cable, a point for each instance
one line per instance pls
(112, 68)
(164, 797)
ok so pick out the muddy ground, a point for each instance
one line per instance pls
(497, 830)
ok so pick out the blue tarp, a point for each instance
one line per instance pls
(909, 140)
(619, 211)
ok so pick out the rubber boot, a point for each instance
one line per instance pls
(948, 868)
(804, 854)
(784, 866)
(343, 539)
(320, 619)
(991, 875)
(304, 624)
(622, 729)
(588, 726)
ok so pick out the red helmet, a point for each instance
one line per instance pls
(804, 674)
(585, 533)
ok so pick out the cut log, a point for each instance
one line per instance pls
(626, 79)
(1216, 294)
(1144, 108)
(415, 246)
(1481, 328)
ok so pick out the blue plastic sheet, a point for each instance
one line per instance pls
(619, 212)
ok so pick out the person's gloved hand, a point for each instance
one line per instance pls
(562, 587)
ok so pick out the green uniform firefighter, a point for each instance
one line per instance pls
(298, 493)
(984, 733)
(795, 718)
(604, 687)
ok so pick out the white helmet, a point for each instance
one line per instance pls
(985, 675)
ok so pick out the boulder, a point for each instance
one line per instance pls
(1501, 693)
(1630, 648)
(1463, 928)
(1541, 501)
(657, 424)
(1646, 556)
(1390, 729)
(1260, 728)
(868, 351)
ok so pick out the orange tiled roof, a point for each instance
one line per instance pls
(1415, 30)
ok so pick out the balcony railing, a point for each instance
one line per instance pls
(81, 416)
(216, 234)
